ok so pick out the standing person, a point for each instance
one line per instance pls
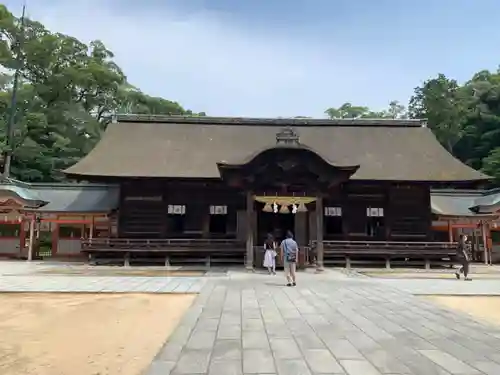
(270, 254)
(289, 255)
(463, 256)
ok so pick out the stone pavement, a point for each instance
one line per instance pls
(20, 267)
(451, 286)
(100, 284)
(326, 325)
(25, 277)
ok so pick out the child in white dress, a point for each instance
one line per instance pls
(270, 255)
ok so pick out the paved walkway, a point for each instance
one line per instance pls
(101, 284)
(326, 325)
(25, 277)
(449, 286)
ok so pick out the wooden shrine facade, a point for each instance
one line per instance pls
(205, 188)
(350, 211)
(212, 214)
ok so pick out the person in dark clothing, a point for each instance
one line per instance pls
(463, 257)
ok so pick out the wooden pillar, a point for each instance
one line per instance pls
(91, 231)
(54, 227)
(300, 229)
(38, 228)
(32, 238)
(319, 233)
(485, 242)
(249, 231)
(387, 213)
(489, 240)
(22, 236)
(450, 231)
(205, 224)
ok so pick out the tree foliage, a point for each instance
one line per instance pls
(349, 111)
(67, 95)
(440, 102)
(464, 117)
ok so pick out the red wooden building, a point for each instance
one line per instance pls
(56, 217)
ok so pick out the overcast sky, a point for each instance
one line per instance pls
(282, 57)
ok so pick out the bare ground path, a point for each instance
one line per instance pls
(85, 334)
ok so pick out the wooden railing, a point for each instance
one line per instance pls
(387, 251)
(160, 245)
(167, 251)
(389, 247)
(209, 250)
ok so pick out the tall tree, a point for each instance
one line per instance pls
(396, 110)
(68, 94)
(481, 137)
(441, 101)
(349, 111)
(132, 100)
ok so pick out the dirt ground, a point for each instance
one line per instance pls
(486, 309)
(85, 334)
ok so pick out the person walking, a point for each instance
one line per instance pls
(270, 254)
(289, 255)
(463, 257)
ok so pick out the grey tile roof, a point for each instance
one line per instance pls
(453, 204)
(179, 147)
(488, 200)
(23, 191)
(78, 198)
(66, 198)
(465, 202)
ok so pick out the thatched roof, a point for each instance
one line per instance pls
(191, 147)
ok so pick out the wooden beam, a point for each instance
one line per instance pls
(450, 231)
(249, 231)
(55, 238)
(485, 243)
(319, 233)
(91, 231)
(32, 239)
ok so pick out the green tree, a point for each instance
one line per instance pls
(396, 110)
(349, 111)
(132, 100)
(441, 102)
(465, 118)
(491, 164)
(481, 138)
(68, 93)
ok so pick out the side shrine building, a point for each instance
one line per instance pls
(213, 188)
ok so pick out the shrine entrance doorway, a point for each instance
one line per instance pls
(274, 223)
